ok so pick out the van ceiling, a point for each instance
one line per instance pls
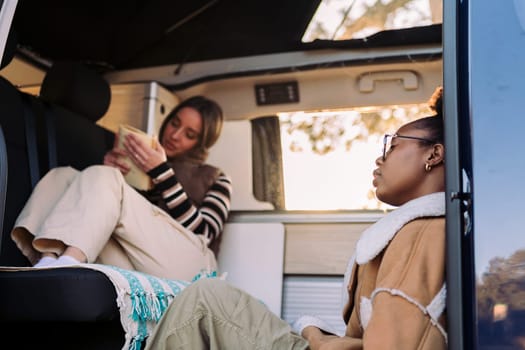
(125, 34)
(138, 33)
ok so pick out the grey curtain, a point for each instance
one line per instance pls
(268, 183)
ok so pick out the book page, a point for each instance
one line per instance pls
(135, 177)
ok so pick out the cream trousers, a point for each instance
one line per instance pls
(96, 211)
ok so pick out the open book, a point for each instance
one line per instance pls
(135, 177)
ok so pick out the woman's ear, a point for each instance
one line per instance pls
(437, 156)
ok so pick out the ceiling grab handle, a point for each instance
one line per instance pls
(367, 80)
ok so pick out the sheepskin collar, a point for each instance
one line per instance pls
(375, 238)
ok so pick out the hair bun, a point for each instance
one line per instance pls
(435, 103)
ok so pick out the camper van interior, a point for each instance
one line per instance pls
(308, 89)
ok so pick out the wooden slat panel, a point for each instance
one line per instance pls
(320, 248)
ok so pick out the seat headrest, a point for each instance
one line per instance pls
(76, 88)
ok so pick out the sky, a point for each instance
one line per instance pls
(338, 180)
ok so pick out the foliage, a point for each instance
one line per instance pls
(320, 133)
(357, 18)
(360, 18)
(323, 132)
(502, 283)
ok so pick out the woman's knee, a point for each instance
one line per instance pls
(64, 173)
(207, 291)
(102, 174)
(100, 169)
(215, 286)
(208, 287)
(57, 178)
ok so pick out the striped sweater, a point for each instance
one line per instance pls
(208, 219)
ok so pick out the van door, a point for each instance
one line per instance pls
(7, 12)
(484, 86)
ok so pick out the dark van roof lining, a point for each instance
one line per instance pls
(119, 35)
(424, 35)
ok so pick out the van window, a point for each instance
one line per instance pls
(329, 156)
(342, 19)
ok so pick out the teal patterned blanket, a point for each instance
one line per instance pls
(142, 299)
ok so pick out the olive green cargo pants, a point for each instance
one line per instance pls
(211, 314)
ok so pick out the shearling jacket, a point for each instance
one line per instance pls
(396, 288)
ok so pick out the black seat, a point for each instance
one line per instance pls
(69, 308)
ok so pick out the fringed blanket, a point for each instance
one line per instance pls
(142, 299)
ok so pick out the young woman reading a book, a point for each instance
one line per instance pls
(394, 285)
(94, 215)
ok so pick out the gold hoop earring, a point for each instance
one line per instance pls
(428, 167)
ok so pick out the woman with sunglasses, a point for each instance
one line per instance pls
(394, 285)
(93, 215)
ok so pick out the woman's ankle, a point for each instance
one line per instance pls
(49, 255)
(46, 260)
(66, 260)
(75, 253)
